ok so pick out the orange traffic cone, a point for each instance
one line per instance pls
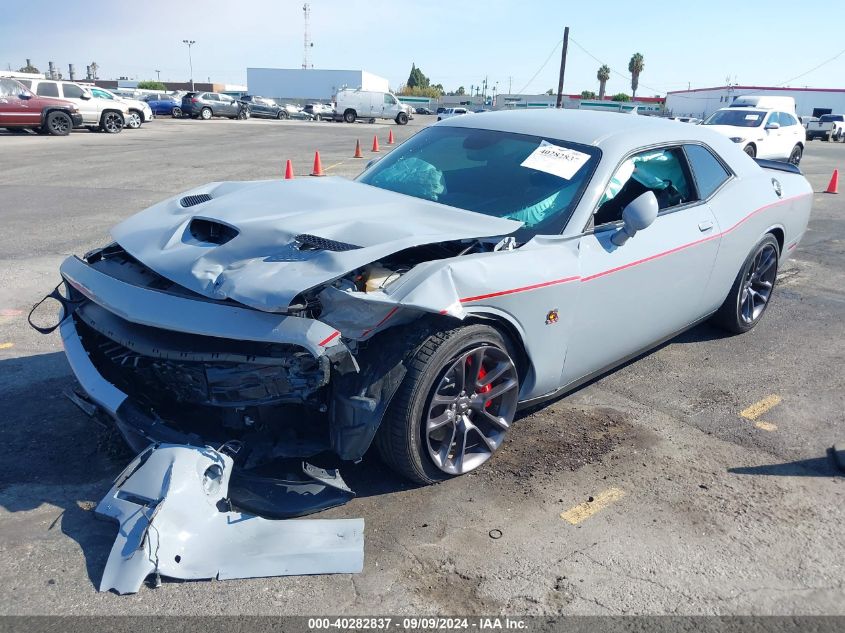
(289, 171)
(375, 144)
(833, 187)
(318, 166)
(390, 140)
(358, 153)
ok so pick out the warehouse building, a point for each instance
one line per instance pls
(309, 84)
(702, 102)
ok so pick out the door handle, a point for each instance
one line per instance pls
(706, 225)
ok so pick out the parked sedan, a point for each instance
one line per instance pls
(485, 265)
(205, 105)
(164, 104)
(422, 110)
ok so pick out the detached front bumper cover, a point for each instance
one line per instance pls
(175, 521)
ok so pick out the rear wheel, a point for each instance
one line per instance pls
(205, 113)
(454, 406)
(750, 150)
(111, 122)
(795, 155)
(176, 113)
(752, 289)
(58, 124)
(133, 121)
(282, 115)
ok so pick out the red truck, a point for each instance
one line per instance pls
(21, 109)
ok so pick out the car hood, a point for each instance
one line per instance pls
(241, 244)
(736, 131)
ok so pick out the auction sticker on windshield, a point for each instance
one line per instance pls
(558, 161)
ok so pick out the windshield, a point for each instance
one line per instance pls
(532, 179)
(737, 118)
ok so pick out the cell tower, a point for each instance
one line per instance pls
(306, 49)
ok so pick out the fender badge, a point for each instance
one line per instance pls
(552, 317)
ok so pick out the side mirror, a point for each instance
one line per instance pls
(25, 95)
(773, 126)
(640, 213)
(85, 96)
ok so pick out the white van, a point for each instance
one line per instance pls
(765, 102)
(368, 104)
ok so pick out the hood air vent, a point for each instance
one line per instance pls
(314, 243)
(191, 201)
(211, 232)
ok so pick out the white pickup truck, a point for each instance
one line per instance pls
(828, 127)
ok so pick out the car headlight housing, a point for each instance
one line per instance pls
(737, 139)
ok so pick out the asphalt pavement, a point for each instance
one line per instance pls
(697, 479)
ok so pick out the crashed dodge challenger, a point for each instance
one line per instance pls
(488, 263)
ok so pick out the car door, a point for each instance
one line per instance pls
(13, 109)
(772, 145)
(229, 107)
(89, 107)
(793, 131)
(635, 295)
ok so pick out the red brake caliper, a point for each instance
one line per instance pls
(481, 373)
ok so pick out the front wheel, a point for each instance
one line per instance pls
(205, 113)
(402, 118)
(795, 155)
(58, 124)
(349, 116)
(112, 122)
(133, 121)
(454, 406)
(752, 289)
(176, 113)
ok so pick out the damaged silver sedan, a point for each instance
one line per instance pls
(487, 264)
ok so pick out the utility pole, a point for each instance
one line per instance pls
(306, 44)
(158, 75)
(562, 68)
(510, 84)
(190, 60)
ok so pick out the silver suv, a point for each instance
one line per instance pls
(97, 114)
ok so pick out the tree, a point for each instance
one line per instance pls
(151, 85)
(588, 94)
(550, 91)
(29, 68)
(461, 91)
(621, 96)
(635, 67)
(603, 75)
(417, 79)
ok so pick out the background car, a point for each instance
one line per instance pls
(319, 111)
(205, 105)
(164, 104)
(106, 115)
(296, 112)
(423, 110)
(761, 133)
(20, 109)
(450, 112)
(827, 127)
(139, 111)
(264, 108)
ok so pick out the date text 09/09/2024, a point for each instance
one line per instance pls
(416, 623)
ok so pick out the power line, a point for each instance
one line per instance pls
(814, 68)
(558, 43)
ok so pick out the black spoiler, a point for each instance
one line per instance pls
(779, 165)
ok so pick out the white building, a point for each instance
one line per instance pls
(702, 102)
(310, 84)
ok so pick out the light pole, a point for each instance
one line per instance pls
(190, 61)
(158, 75)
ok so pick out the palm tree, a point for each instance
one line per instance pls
(603, 75)
(635, 67)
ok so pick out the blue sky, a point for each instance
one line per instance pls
(455, 42)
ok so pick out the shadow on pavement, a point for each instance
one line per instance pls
(815, 467)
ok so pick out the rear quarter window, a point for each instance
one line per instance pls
(708, 172)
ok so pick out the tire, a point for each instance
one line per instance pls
(349, 116)
(176, 112)
(318, 117)
(206, 114)
(243, 115)
(402, 118)
(282, 115)
(796, 154)
(750, 150)
(734, 315)
(58, 124)
(403, 440)
(111, 122)
(134, 120)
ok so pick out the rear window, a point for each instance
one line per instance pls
(47, 89)
(827, 118)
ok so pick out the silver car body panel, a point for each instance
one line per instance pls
(170, 504)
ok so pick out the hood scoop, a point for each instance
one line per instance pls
(192, 201)
(308, 242)
(211, 232)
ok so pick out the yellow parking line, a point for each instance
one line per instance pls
(585, 510)
(766, 426)
(6, 345)
(759, 408)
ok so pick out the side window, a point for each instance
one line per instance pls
(26, 82)
(225, 98)
(708, 171)
(773, 118)
(97, 93)
(73, 92)
(9, 88)
(210, 96)
(661, 171)
(389, 100)
(47, 89)
(787, 119)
